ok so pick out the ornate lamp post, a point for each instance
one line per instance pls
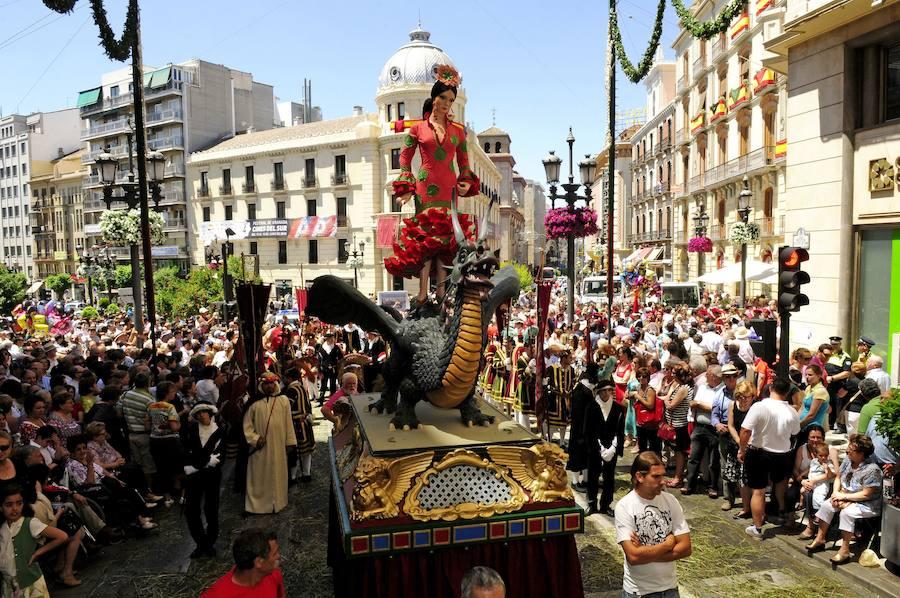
(701, 220)
(357, 257)
(743, 211)
(95, 261)
(587, 169)
(226, 279)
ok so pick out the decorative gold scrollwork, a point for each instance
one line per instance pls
(465, 510)
(540, 469)
(381, 484)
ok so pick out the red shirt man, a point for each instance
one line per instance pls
(255, 573)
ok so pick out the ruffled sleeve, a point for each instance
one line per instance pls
(466, 175)
(406, 182)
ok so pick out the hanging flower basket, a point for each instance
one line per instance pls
(580, 222)
(121, 228)
(700, 245)
(744, 233)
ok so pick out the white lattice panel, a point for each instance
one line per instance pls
(463, 484)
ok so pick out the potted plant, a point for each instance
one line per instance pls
(888, 425)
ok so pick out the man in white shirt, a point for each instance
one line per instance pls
(875, 371)
(653, 533)
(765, 450)
(711, 341)
(704, 439)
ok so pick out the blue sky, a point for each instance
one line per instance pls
(538, 64)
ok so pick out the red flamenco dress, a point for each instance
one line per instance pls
(429, 234)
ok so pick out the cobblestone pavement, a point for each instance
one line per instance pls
(725, 561)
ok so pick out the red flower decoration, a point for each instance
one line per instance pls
(580, 222)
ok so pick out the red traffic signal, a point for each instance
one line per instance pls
(790, 277)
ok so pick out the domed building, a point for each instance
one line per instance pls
(305, 198)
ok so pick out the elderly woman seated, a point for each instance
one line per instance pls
(856, 495)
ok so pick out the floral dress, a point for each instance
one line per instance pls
(429, 234)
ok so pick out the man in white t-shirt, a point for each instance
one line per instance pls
(652, 531)
(765, 450)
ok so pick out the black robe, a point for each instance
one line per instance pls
(582, 396)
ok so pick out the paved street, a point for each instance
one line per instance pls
(724, 562)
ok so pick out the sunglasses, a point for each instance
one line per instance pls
(4, 447)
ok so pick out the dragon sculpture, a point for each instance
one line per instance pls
(435, 358)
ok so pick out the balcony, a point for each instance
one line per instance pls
(203, 191)
(226, 189)
(697, 182)
(278, 185)
(248, 187)
(771, 226)
(680, 237)
(310, 182)
(111, 128)
(160, 116)
(340, 180)
(174, 170)
(171, 197)
(342, 221)
(127, 99)
(699, 67)
(681, 136)
(718, 49)
(717, 232)
(678, 190)
(737, 168)
(166, 143)
(118, 151)
(174, 224)
(681, 85)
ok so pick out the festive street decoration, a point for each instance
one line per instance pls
(640, 281)
(764, 78)
(738, 96)
(697, 122)
(633, 73)
(116, 49)
(580, 222)
(712, 27)
(718, 110)
(700, 245)
(741, 25)
(122, 228)
(744, 233)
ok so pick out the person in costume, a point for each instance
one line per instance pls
(526, 386)
(513, 380)
(487, 370)
(204, 443)
(427, 244)
(302, 416)
(499, 368)
(269, 433)
(561, 381)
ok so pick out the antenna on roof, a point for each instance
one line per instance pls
(494, 117)
(419, 20)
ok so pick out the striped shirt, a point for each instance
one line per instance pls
(134, 404)
(677, 416)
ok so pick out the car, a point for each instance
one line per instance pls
(292, 315)
(75, 306)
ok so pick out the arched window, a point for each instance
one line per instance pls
(669, 219)
(497, 147)
(487, 147)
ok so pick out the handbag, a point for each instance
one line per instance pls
(69, 522)
(666, 432)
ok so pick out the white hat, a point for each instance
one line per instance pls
(203, 310)
(741, 333)
(204, 407)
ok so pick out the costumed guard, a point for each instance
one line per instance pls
(376, 351)
(604, 439)
(582, 397)
(330, 356)
(510, 398)
(486, 379)
(499, 367)
(560, 382)
(269, 433)
(427, 243)
(526, 385)
(204, 443)
(302, 417)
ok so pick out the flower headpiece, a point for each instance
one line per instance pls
(447, 75)
(269, 377)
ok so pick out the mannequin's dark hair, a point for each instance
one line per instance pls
(437, 89)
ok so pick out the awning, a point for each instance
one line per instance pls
(34, 287)
(638, 255)
(756, 270)
(157, 78)
(88, 98)
(655, 254)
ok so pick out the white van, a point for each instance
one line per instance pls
(593, 289)
(680, 293)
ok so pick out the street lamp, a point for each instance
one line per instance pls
(95, 261)
(357, 257)
(744, 213)
(552, 165)
(226, 280)
(701, 220)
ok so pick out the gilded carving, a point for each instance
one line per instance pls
(540, 469)
(466, 510)
(381, 484)
(881, 175)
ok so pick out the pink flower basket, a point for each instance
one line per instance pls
(700, 245)
(580, 222)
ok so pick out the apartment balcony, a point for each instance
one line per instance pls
(166, 143)
(43, 230)
(171, 197)
(735, 169)
(203, 191)
(106, 129)
(771, 227)
(342, 221)
(93, 180)
(118, 151)
(678, 189)
(127, 99)
(248, 187)
(681, 136)
(681, 86)
(680, 237)
(340, 180)
(310, 182)
(717, 232)
(174, 225)
(158, 117)
(718, 50)
(697, 182)
(278, 185)
(174, 170)
(226, 190)
(700, 67)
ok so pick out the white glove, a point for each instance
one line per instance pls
(608, 453)
(615, 443)
(213, 461)
(190, 469)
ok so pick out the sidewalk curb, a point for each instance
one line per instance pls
(875, 580)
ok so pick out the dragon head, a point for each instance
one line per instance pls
(473, 264)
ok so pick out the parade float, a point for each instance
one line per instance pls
(427, 480)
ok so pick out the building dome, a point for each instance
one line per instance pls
(413, 63)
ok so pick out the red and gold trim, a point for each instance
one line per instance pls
(697, 122)
(762, 5)
(781, 149)
(741, 24)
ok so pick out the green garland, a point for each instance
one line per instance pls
(116, 49)
(707, 29)
(636, 74)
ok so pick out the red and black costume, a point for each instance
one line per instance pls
(429, 234)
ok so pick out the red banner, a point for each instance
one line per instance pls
(302, 301)
(543, 310)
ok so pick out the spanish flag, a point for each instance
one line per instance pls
(781, 149)
(398, 126)
(740, 25)
(718, 110)
(738, 96)
(764, 78)
(697, 121)
(761, 5)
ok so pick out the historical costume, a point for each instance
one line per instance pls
(330, 356)
(561, 381)
(604, 439)
(582, 396)
(512, 379)
(269, 432)
(499, 371)
(527, 386)
(204, 447)
(302, 417)
(428, 235)
(488, 373)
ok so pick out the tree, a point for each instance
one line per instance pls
(89, 313)
(58, 283)
(237, 272)
(123, 276)
(112, 310)
(12, 289)
(524, 272)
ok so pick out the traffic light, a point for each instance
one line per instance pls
(790, 277)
